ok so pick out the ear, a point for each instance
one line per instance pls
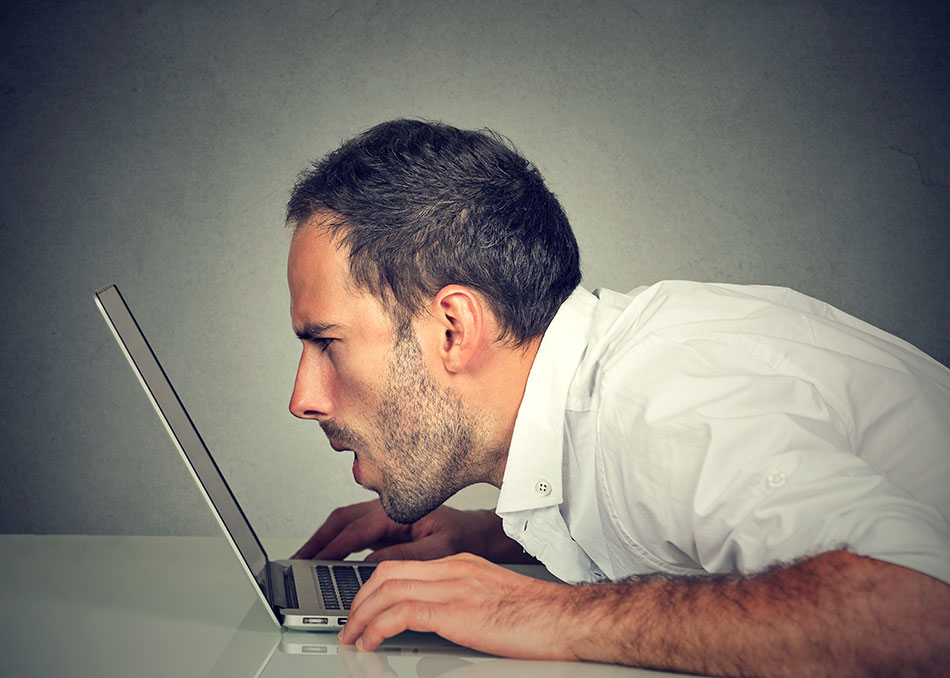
(461, 314)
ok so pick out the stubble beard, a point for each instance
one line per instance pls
(428, 436)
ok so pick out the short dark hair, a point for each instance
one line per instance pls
(421, 205)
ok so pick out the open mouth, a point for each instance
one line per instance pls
(357, 471)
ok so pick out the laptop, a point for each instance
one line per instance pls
(308, 595)
(304, 595)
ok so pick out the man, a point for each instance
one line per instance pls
(751, 481)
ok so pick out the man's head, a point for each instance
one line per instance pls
(426, 264)
(421, 205)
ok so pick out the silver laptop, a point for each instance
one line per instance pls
(311, 595)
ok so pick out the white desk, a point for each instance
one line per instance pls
(181, 606)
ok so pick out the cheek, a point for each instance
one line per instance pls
(353, 390)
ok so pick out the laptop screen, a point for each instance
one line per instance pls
(182, 429)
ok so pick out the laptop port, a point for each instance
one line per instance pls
(319, 621)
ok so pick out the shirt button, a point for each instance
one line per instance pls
(776, 479)
(543, 487)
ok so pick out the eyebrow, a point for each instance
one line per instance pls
(315, 330)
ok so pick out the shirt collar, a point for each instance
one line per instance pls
(533, 469)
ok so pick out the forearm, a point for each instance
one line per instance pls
(836, 614)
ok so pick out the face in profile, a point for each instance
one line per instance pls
(368, 385)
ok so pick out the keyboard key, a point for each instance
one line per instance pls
(346, 583)
(325, 583)
(365, 572)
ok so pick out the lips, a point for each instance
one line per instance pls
(340, 441)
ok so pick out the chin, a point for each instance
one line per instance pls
(403, 513)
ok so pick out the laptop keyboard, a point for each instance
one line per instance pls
(339, 583)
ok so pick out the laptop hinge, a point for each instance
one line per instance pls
(277, 585)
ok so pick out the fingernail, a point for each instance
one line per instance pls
(359, 642)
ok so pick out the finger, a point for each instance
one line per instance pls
(334, 524)
(427, 548)
(408, 596)
(370, 529)
(400, 571)
(408, 615)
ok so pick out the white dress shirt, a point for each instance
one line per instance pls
(688, 428)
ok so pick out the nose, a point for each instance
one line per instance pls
(310, 398)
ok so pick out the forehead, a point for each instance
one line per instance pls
(315, 259)
(320, 288)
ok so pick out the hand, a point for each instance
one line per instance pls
(466, 600)
(444, 531)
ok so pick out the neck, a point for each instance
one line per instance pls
(505, 391)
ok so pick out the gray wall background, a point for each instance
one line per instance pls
(153, 144)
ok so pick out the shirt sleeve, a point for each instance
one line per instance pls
(716, 460)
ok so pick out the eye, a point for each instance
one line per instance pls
(324, 343)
